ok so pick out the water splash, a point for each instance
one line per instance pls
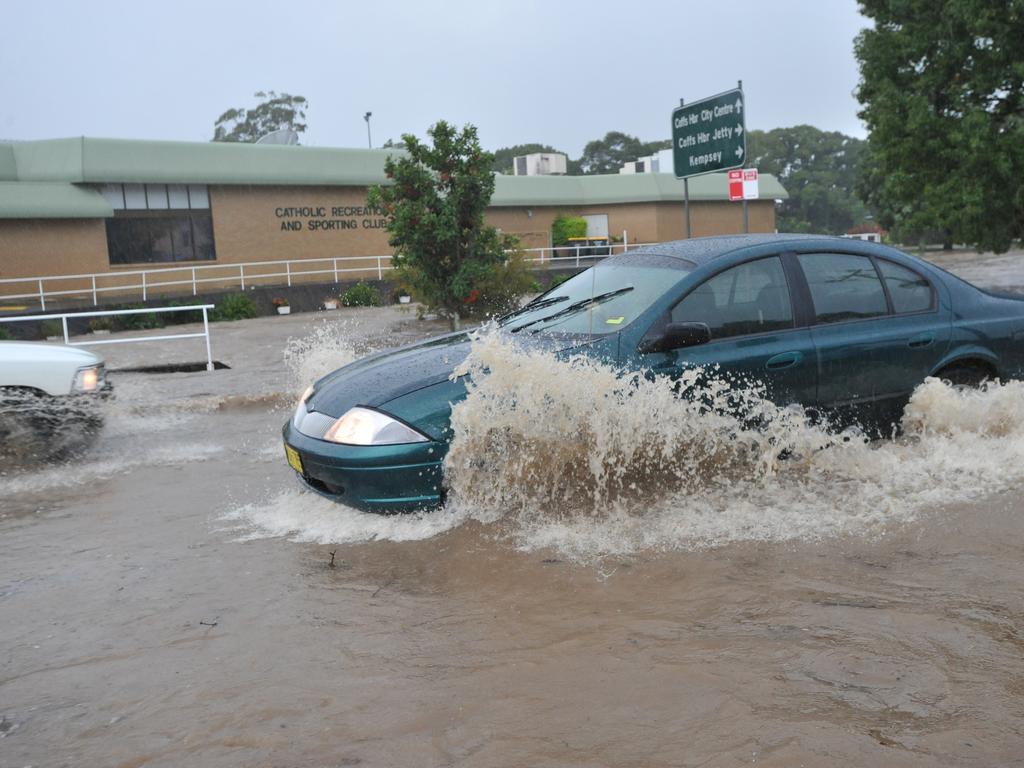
(326, 348)
(303, 516)
(574, 455)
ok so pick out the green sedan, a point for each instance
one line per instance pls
(843, 327)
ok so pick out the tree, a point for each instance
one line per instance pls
(942, 89)
(504, 157)
(609, 154)
(818, 169)
(444, 253)
(275, 112)
(565, 227)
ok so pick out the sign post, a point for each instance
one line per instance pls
(743, 185)
(709, 135)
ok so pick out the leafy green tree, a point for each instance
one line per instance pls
(818, 169)
(445, 254)
(609, 154)
(504, 157)
(274, 112)
(565, 226)
(942, 89)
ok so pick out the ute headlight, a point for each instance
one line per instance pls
(89, 379)
(362, 426)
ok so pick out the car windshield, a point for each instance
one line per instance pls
(601, 300)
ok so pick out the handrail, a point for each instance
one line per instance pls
(250, 272)
(135, 339)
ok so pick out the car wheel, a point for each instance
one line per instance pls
(965, 376)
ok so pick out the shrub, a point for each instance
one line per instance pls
(52, 328)
(361, 295)
(558, 280)
(234, 306)
(564, 227)
(180, 318)
(498, 289)
(5, 335)
(101, 324)
(139, 322)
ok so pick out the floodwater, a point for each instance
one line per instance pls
(172, 598)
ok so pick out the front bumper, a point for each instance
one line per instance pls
(377, 478)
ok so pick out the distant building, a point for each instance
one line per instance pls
(107, 206)
(868, 231)
(660, 162)
(540, 164)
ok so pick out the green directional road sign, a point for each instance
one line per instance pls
(709, 135)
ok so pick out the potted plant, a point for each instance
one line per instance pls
(331, 302)
(403, 296)
(52, 330)
(283, 308)
(101, 326)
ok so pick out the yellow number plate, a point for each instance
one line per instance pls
(294, 460)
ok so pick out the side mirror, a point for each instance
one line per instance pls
(677, 335)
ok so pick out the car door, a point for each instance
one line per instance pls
(754, 338)
(878, 331)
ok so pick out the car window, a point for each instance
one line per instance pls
(908, 290)
(749, 298)
(843, 287)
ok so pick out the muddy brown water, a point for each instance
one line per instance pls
(141, 625)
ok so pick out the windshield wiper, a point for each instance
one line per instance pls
(533, 305)
(576, 306)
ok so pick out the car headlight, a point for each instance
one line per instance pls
(362, 426)
(89, 379)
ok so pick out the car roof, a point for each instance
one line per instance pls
(700, 250)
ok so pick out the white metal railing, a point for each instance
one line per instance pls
(143, 282)
(134, 339)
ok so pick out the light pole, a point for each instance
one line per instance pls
(367, 117)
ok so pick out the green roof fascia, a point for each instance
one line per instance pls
(49, 160)
(620, 188)
(87, 160)
(50, 200)
(182, 162)
(8, 166)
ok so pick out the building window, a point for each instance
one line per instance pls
(159, 223)
(146, 238)
(156, 197)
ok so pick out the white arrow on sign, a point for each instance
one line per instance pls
(739, 130)
(739, 107)
(739, 152)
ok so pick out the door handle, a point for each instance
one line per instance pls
(921, 340)
(783, 360)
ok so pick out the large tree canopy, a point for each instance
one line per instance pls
(444, 252)
(274, 112)
(942, 84)
(818, 170)
(608, 155)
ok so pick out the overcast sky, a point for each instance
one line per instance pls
(559, 72)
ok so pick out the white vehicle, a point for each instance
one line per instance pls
(49, 399)
(49, 369)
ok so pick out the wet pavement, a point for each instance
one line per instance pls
(172, 598)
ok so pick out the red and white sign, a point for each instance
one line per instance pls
(743, 184)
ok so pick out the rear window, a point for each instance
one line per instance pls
(909, 291)
(843, 287)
